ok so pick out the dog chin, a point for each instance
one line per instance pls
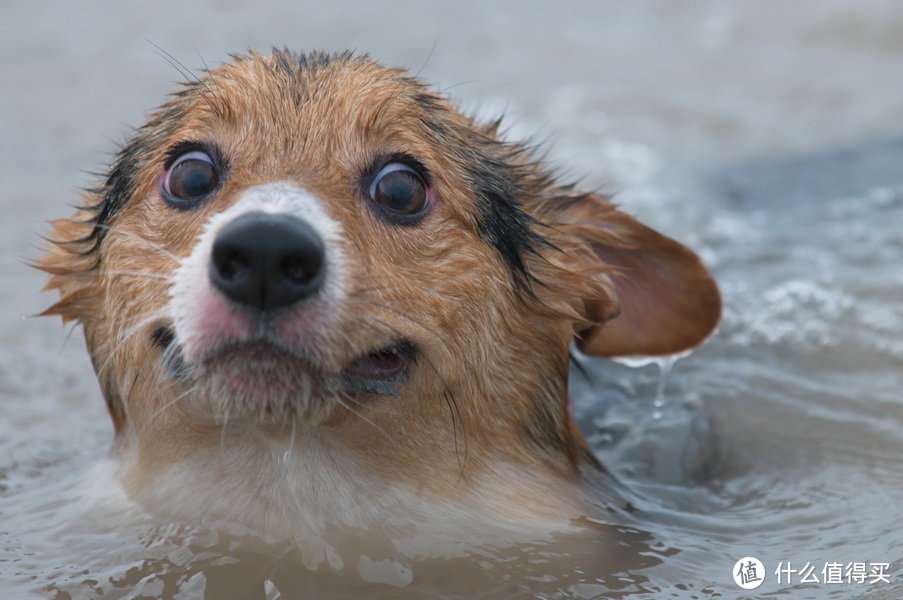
(260, 382)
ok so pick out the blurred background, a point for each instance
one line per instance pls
(766, 135)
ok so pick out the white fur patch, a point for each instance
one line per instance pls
(313, 491)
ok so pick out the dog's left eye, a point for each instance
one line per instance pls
(191, 177)
(400, 191)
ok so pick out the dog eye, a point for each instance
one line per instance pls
(191, 177)
(400, 190)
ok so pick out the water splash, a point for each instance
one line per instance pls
(665, 365)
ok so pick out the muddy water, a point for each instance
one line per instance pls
(767, 136)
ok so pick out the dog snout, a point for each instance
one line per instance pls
(265, 261)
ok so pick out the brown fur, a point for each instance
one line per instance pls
(492, 322)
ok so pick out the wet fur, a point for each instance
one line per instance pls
(492, 287)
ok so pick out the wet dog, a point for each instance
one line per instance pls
(315, 294)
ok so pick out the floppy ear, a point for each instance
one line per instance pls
(667, 300)
(71, 265)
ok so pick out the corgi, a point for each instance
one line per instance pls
(317, 297)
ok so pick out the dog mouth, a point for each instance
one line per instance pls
(383, 370)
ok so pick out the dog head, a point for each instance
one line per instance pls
(321, 240)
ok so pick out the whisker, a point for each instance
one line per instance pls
(149, 275)
(124, 337)
(398, 285)
(128, 320)
(338, 399)
(447, 395)
(124, 403)
(193, 80)
(173, 362)
(71, 330)
(378, 288)
(580, 368)
(151, 244)
(401, 314)
(166, 406)
(222, 430)
(454, 410)
(291, 439)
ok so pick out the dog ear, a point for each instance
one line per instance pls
(69, 261)
(666, 300)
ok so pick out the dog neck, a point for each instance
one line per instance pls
(313, 486)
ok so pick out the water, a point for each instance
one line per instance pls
(767, 136)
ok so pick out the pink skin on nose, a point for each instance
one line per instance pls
(306, 329)
(212, 322)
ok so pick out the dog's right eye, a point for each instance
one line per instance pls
(190, 178)
(400, 193)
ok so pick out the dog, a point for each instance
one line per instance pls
(319, 297)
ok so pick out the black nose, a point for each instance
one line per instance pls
(263, 260)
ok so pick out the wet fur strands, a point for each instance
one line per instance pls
(316, 295)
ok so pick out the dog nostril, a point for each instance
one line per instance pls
(232, 265)
(265, 261)
(296, 270)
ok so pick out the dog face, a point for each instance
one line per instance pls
(320, 242)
